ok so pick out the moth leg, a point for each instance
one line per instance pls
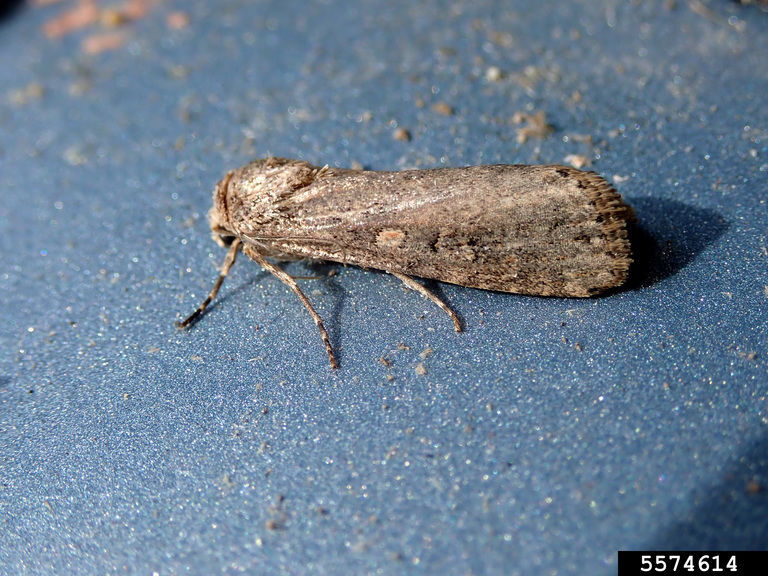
(424, 291)
(228, 263)
(289, 281)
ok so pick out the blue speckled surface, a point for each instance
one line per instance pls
(548, 436)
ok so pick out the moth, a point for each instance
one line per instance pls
(538, 230)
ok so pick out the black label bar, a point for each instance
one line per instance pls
(657, 563)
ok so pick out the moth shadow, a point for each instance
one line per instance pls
(436, 288)
(667, 236)
(323, 271)
(9, 8)
(729, 514)
(327, 272)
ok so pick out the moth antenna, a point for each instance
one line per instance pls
(424, 291)
(228, 263)
(289, 281)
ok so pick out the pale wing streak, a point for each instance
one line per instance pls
(371, 215)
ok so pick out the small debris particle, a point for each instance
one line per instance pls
(402, 135)
(103, 42)
(577, 345)
(273, 525)
(177, 20)
(420, 369)
(754, 487)
(112, 17)
(386, 362)
(402, 346)
(31, 91)
(135, 9)
(442, 108)
(74, 156)
(493, 74)
(355, 165)
(535, 126)
(427, 353)
(577, 160)
(179, 71)
(82, 15)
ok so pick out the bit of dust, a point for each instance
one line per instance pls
(87, 14)
(402, 135)
(177, 20)
(442, 108)
(427, 353)
(32, 91)
(493, 74)
(420, 369)
(112, 18)
(102, 42)
(577, 160)
(82, 15)
(535, 126)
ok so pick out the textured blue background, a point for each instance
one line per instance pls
(547, 436)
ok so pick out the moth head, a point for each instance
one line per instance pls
(218, 217)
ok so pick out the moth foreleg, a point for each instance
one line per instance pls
(424, 291)
(228, 263)
(289, 281)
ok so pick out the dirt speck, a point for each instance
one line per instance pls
(401, 134)
(577, 160)
(493, 74)
(177, 20)
(442, 108)
(533, 126)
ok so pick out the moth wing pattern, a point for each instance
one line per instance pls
(542, 230)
